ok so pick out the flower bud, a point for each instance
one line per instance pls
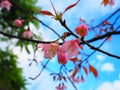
(82, 30)
(18, 22)
(27, 34)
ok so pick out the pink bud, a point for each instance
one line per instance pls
(5, 4)
(82, 30)
(27, 34)
(18, 22)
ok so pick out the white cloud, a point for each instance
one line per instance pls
(109, 67)
(110, 85)
(100, 57)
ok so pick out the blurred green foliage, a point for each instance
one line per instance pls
(10, 75)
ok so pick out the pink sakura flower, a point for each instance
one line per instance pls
(67, 50)
(62, 57)
(111, 2)
(78, 79)
(70, 47)
(82, 30)
(18, 22)
(5, 4)
(49, 50)
(61, 87)
(27, 33)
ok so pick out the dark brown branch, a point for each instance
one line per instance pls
(24, 39)
(63, 23)
(45, 42)
(94, 51)
(102, 51)
(102, 36)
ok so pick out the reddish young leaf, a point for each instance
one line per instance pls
(93, 70)
(82, 20)
(66, 34)
(75, 72)
(71, 6)
(46, 12)
(86, 71)
(106, 22)
(73, 59)
(105, 2)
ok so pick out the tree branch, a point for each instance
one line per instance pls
(94, 51)
(24, 39)
(97, 49)
(47, 42)
(102, 36)
(63, 23)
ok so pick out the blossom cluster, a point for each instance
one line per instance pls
(67, 50)
(5, 4)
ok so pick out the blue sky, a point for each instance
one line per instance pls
(108, 68)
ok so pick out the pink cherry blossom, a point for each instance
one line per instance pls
(5, 4)
(61, 87)
(78, 79)
(18, 22)
(27, 33)
(111, 2)
(82, 30)
(62, 57)
(49, 50)
(70, 47)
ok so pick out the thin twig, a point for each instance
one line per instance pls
(33, 78)
(70, 79)
(94, 51)
(107, 18)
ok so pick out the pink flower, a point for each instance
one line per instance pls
(82, 30)
(70, 47)
(61, 87)
(78, 79)
(5, 4)
(18, 22)
(111, 2)
(62, 58)
(27, 33)
(49, 50)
